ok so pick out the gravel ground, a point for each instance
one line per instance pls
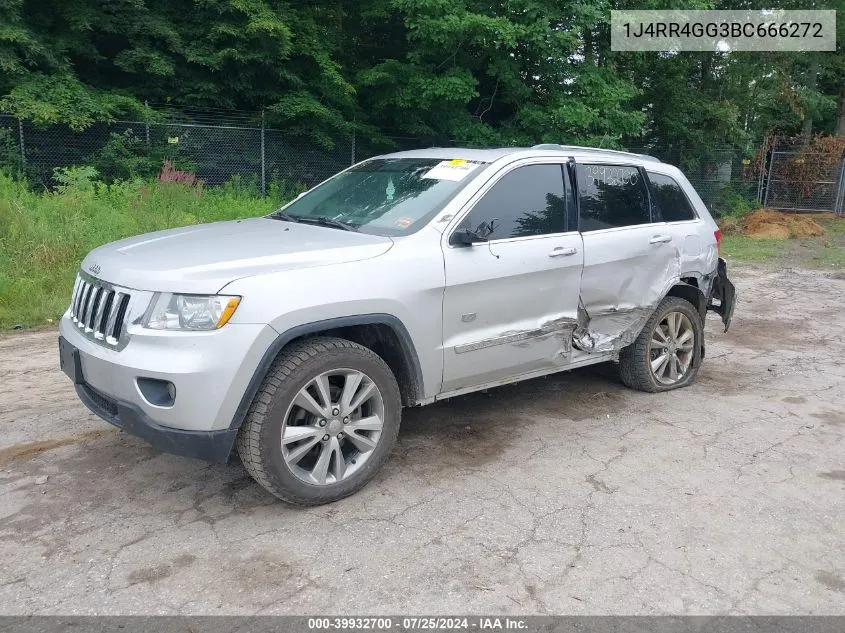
(569, 494)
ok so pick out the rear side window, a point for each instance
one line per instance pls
(529, 200)
(611, 196)
(669, 199)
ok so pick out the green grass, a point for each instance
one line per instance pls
(749, 250)
(45, 235)
(834, 227)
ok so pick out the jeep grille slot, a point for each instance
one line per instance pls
(99, 310)
(120, 315)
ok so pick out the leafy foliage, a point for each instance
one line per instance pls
(478, 72)
(10, 157)
(46, 99)
(79, 179)
(125, 156)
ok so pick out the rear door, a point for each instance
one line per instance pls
(510, 304)
(630, 258)
(694, 237)
(671, 206)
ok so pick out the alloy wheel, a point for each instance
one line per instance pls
(671, 348)
(332, 426)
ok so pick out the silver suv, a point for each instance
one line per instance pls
(297, 338)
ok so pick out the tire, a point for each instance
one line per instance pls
(297, 470)
(636, 360)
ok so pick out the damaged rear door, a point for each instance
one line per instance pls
(511, 301)
(629, 262)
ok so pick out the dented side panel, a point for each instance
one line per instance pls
(507, 314)
(627, 272)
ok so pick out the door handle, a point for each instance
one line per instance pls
(560, 251)
(659, 239)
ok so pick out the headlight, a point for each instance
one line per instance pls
(190, 312)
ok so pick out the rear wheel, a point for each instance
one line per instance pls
(322, 423)
(667, 353)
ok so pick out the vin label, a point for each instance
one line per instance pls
(723, 31)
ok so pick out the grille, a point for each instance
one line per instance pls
(99, 310)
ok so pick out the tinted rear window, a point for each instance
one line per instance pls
(671, 202)
(611, 196)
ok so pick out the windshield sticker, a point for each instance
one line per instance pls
(404, 223)
(390, 191)
(456, 169)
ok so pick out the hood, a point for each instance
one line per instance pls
(204, 258)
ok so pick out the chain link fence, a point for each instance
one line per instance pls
(804, 176)
(247, 155)
(238, 149)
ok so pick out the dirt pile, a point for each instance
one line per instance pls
(766, 224)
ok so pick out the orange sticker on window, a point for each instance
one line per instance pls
(404, 223)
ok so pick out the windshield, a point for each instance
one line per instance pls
(391, 197)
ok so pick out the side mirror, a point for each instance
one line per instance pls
(465, 237)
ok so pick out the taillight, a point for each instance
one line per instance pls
(718, 235)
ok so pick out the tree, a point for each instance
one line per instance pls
(439, 71)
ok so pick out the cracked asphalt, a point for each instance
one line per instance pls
(569, 494)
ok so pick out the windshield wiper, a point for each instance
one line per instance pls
(324, 221)
(281, 215)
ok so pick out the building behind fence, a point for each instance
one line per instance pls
(239, 149)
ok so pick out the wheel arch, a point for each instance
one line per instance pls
(687, 288)
(385, 334)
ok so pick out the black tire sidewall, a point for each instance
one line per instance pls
(274, 464)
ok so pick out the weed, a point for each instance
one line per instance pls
(45, 235)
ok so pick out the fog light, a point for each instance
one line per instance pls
(159, 393)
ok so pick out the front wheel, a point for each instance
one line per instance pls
(667, 353)
(323, 422)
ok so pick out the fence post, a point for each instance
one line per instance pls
(839, 201)
(762, 169)
(769, 177)
(20, 136)
(147, 123)
(353, 148)
(263, 172)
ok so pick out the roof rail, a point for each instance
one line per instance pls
(577, 148)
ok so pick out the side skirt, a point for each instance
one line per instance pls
(590, 359)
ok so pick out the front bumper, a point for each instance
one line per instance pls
(211, 372)
(209, 446)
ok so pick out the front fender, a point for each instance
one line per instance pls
(405, 340)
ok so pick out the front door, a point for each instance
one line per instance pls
(510, 304)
